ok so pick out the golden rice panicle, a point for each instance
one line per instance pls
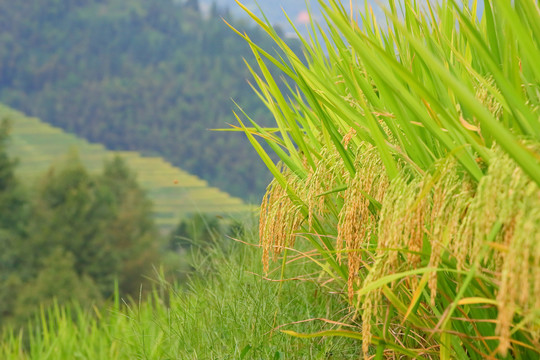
(505, 196)
(402, 222)
(367, 307)
(371, 303)
(279, 219)
(416, 229)
(519, 284)
(391, 226)
(357, 223)
(265, 221)
(495, 200)
(449, 201)
(348, 137)
(328, 173)
(394, 230)
(484, 95)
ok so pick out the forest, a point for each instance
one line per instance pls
(151, 76)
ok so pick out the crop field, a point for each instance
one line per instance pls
(174, 192)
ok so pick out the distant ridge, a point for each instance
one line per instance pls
(174, 192)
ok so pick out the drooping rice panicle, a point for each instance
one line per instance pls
(425, 184)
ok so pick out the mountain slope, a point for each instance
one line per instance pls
(174, 192)
(150, 76)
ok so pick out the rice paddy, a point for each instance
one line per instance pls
(174, 192)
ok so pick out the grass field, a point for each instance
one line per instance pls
(174, 192)
(227, 311)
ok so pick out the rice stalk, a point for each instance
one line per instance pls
(425, 139)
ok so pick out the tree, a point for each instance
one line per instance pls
(132, 233)
(85, 233)
(104, 221)
(13, 221)
(56, 281)
(71, 212)
(197, 230)
(13, 201)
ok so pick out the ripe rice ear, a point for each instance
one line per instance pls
(411, 171)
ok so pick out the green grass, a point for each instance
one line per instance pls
(227, 311)
(174, 192)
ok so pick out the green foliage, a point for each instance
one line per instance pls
(202, 230)
(409, 163)
(56, 281)
(132, 220)
(198, 230)
(78, 236)
(12, 198)
(135, 75)
(13, 222)
(227, 311)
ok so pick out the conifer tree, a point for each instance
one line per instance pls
(85, 233)
(12, 199)
(13, 219)
(132, 231)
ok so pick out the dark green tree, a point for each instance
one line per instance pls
(57, 280)
(202, 230)
(197, 230)
(132, 233)
(13, 222)
(104, 221)
(84, 234)
(13, 202)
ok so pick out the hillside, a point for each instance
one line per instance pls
(174, 192)
(149, 76)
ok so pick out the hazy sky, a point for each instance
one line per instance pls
(296, 9)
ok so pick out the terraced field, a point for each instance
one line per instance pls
(174, 192)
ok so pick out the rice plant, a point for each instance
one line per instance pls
(410, 164)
